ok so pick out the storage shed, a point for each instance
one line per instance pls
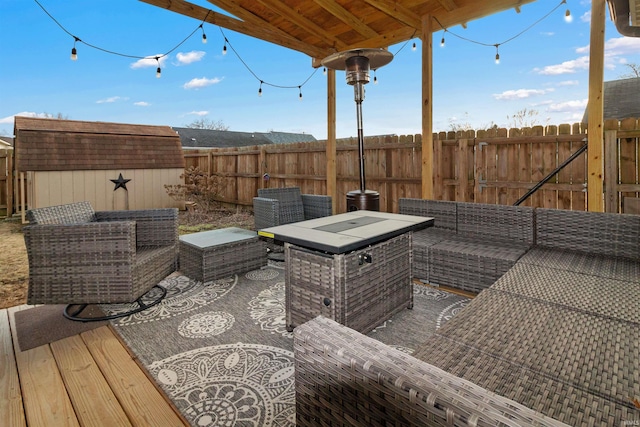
(114, 166)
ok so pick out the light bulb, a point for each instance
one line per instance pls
(413, 47)
(158, 73)
(224, 49)
(442, 42)
(375, 80)
(204, 38)
(74, 54)
(497, 58)
(324, 71)
(260, 91)
(567, 16)
(300, 95)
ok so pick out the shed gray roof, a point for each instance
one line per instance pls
(205, 138)
(621, 99)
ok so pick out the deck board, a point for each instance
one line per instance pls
(87, 379)
(11, 408)
(93, 400)
(139, 397)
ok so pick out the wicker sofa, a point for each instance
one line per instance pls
(557, 333)
(277, 206)
(78, 256)
(471, 244)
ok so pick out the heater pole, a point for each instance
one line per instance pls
(358, 90)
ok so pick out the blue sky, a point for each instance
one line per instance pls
(545, 69)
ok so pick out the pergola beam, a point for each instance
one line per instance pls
(595, 110)
(347, 17)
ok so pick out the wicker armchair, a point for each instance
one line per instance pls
(277, 206)
(78, 256)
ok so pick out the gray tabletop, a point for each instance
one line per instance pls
(346, 232)
(207, 239)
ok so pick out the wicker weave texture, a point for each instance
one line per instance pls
(277, 206)
(358, 294)
(218, 261)
(71, 213)
(345, 378)
(605, 266)
(496, 222)
(571, 364)
(97, 262)
(599, 233)
(443, 212)
(466, 263)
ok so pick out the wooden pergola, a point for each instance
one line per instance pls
(320, 28)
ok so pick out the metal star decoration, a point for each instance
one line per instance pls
(120, 182)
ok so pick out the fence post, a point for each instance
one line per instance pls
(611, 200)
(9, 184)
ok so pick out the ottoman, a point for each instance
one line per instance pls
(214, 254)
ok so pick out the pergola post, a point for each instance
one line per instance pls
(331, 139)
(427, 108)
(595, 110)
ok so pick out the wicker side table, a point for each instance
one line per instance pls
(211, 255)
(359, 289)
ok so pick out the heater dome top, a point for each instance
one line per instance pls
(377, 58)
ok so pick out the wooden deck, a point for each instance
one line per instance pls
(85, 380)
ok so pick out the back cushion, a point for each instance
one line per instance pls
(502, 222)
(72, 213)
(594, 232)
(443, 211)
(290, 201)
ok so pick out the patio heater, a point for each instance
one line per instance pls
(357, 63)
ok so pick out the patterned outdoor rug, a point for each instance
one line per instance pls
(222, 354)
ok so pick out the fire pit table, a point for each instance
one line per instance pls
(354, 268)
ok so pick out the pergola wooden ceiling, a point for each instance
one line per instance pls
(319, 28)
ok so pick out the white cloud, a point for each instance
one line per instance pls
(111, 100)
(197, 113)
(9, 119)
(189, 57)
(569, 106)
(149, 61)
(586, 17)
(200, 83)
(141, 104)
(569, 83)
(567, 67)
(520, 94)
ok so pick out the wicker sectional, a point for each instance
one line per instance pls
(552, 341)
(471, 244)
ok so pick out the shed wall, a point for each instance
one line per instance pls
(144, 191)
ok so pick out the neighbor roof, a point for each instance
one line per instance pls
(621, 99)
(205, 138)
(52, 144)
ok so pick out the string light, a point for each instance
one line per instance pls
(567, 17)
(567, 14)
(324, 71)
(158, 70)
(260, 90)
(375, 78)
(224, 48)
(204, 36)
(413, 48)
(74, 52)
(300, 95)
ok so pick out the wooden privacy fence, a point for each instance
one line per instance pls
(492, 166)
(6, 182)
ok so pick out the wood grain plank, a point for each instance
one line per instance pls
(45, 398)
(94, 402)
(141, 400)
(11, 407)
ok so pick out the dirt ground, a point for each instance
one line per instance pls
(14, 266)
